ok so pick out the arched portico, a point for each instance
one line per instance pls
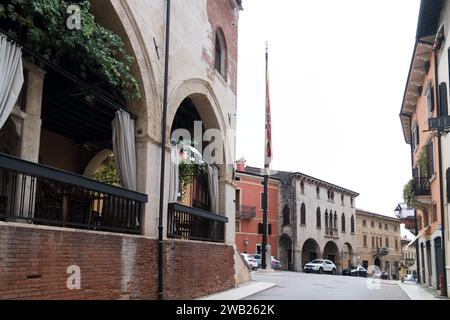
(348, 256)
(310, 251)
(331, 252)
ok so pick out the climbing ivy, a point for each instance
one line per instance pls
(91, 51)
(107, 173)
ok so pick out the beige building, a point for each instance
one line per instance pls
(378, 241)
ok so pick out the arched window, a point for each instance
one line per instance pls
(302, 187)
(303, 214)
(343, 222)
(326, 220)
(318, 218)
(335, 221)
(342, 198)
(330, 224)
(317, 192)
(286, 214)
(352, 224)
(221, 53)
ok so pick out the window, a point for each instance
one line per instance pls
(434, 215)
(343, 222)
(238, 226)
(373, 242)
(342, 199)
(351, 202)
(269, 229)
(419, 218)
(372, 224)
(443, 103)
(380, 225)
(387, 242)
(426, 221)
(302, 187)
(220, 54)
(364, 241)
(396, 244)
(318, 217)
(430, 98)
(286, 215)
(415, 136)
(352, 224)
(395, 228)
(430, 159)
(318, 192)
(326, 220)
(364, 223)
(385, 226)
(260, 228)
(303, 214)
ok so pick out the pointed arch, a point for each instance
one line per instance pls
(352, 224)
(303, 214)
(343, 222)
(318, 218)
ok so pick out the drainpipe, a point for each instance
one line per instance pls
(441, 184)
(163, 160)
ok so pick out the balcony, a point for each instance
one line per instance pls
(245, 212)
(422, 193)
(332, 233)
(380, 251)
(38, 194)
(188, 223)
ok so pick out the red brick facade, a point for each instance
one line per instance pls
(34, 261)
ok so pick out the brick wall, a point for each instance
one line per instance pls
(34, 261)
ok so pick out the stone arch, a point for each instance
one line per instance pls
(207, 105)
(285, 253)
(310, 251)
(117, 16)
(348, 256)
(331, 252)
(96, 162)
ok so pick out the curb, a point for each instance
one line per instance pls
(240, 292)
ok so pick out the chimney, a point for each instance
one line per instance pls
(240, 164)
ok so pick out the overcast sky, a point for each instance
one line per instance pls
(337, 74)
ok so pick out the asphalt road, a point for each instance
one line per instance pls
(308, 286)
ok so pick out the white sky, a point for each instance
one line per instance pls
(338, 71)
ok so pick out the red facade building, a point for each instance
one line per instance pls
(249, 211)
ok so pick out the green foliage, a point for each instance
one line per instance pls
(107, 174)
(93, 50)
(187, 171)
(422, 162)
(408, 193)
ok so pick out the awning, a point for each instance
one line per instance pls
(417, 237)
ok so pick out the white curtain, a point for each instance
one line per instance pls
(11, 77)
(174, 174)
(213, 177)
(124, 149)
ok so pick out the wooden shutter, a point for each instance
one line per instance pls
(269, 232)
(443, 103)
(430, 159)
(260, 228)
(447, 175)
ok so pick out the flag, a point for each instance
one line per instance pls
(268, 127)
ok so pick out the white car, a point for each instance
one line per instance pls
(320, 266)
(251, 261)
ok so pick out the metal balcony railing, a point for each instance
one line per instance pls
(421, 187)
(39, 194)
(245, 212)
(189, 223)
(381, 251)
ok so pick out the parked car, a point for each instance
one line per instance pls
(383, 275)
(257, 257)
(359, 272)
(348, 271)
(320, 266)
(409, 277)
(251, 261)
(276, 264)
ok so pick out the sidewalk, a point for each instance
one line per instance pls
(417, 292)
(240, 292)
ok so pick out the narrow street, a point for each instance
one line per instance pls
(303, 286)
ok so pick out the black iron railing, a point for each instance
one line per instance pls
(421, 187)
(43, 195)
(194, 224)
(245, 212)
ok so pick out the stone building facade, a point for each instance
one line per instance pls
(317, 220)
(203, 80)
(378, 242)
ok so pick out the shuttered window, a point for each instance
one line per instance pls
(443, 102)
(430, 98)
(430, 159)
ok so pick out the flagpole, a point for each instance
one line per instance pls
(266, 173)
